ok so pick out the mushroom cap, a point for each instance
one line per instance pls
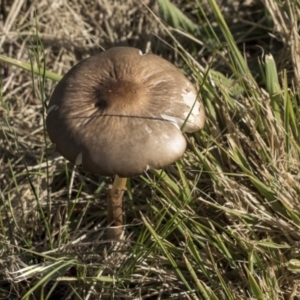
(121, 112)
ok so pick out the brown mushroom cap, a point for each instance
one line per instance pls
(121, 112)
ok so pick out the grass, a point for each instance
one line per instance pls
(221, 223)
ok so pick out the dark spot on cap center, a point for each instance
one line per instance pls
(119, 97)
(101, 104)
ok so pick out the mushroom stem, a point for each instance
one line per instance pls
(115, 208)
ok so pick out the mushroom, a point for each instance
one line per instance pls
(119, 113)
